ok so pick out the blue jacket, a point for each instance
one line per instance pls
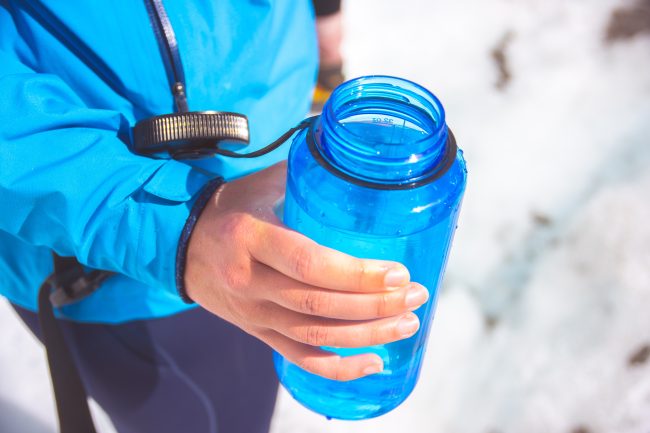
(74, 77)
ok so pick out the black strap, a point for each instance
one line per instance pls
(69, 392)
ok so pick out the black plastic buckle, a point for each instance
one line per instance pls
(74, 284)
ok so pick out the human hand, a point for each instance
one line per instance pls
(290, 292)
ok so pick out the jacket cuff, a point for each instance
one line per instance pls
(186, 233)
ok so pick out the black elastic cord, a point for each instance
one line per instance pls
(271, 147)
(69, 392)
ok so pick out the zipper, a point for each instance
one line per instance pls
(166, 37)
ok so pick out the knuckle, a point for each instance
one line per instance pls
(308, 364)
(258, 312)
(236, 226)
(236, 276)
(316, 335)
(251, 318)
(341, 375)
(315, 303)
(236, 312)
(261, 333)
(301, 262)
(330, 369)
(383, 304)
(232, 278)
(375, 335)
(337, 373)
(362, 271)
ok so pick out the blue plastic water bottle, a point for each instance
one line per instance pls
(378, 176)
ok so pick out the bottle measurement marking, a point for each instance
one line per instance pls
(389, 121)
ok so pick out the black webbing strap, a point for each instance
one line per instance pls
(69, 392)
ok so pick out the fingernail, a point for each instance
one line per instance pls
(372, 369)
(396, 277)
(416, 296)
(408, 325)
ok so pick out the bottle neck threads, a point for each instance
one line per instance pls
(383, 130)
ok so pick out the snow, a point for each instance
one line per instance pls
(547, 294)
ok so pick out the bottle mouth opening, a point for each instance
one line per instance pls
(385, 101)
(388, 128)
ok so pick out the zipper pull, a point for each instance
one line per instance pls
(178, 90)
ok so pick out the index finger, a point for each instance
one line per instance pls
(302, 259)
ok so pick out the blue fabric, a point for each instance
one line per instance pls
(74, 78)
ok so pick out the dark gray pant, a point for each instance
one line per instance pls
(188, 373)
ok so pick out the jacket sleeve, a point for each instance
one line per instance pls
(69, 182)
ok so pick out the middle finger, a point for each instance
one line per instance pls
(317, 301)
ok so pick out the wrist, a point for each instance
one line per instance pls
(183, 243)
